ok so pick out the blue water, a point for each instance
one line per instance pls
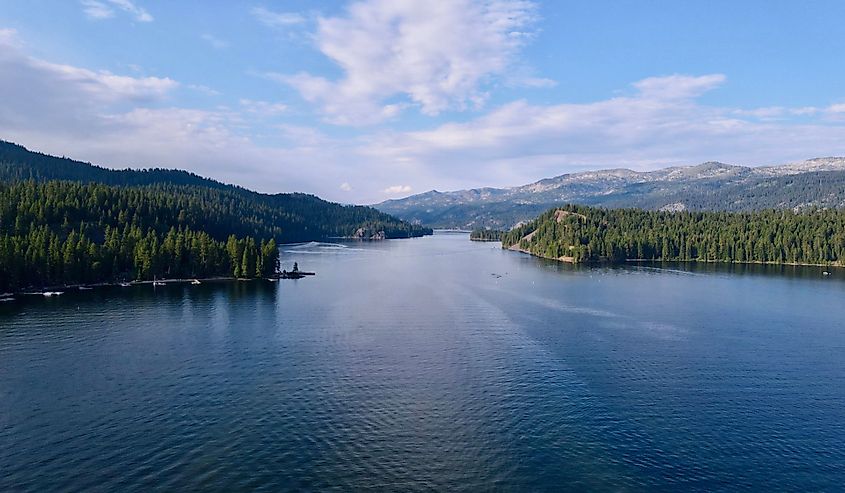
(431, 364)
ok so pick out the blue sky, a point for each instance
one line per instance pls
(367, 100)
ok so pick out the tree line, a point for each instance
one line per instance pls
(484, 234)
(587, 234)
(54, 233)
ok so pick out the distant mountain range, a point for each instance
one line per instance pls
(816, 182)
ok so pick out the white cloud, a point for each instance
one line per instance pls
(767, 113)
(95, 9)
(836, 108)
(55, 96)
(677, 86)
(203, 89)
(804, 111)
(434, 55)
(346, 187)
(215, 42)
(9, 38)
(263, 108)
(398, 189)
(105, 9)
(277, 19)
(535, 82)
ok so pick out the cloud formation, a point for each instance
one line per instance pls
(276, 19)
(214, 41)
(661, 124)
(435, 56)
(59, 97)
(121, 120)
(105, 9)
(398, 189)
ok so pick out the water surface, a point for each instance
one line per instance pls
(432, 363)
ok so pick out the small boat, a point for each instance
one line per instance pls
(85, 288)
(125, 284)
(53, 293)
(3, 300)
(825, 273)
(158, 283)
(195, 282)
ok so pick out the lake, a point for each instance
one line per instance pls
(431, 364)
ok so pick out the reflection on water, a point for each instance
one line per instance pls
(432, 363)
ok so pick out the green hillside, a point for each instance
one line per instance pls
(586, 234)
(68, 222)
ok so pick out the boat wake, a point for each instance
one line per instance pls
(318, 248)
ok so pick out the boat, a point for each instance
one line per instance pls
(2, 300)
(53, 293)
(195, 282)
(85, 288)
(125, 284)
(158, 283)
(825, 273)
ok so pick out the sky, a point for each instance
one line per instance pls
(362, 101)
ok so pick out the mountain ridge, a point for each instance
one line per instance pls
(711, 185)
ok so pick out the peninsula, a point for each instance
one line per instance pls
(579, 234)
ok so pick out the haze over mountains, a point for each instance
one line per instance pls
(816, 182)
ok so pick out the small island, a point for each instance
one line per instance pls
(295, 273)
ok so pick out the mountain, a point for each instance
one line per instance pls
(223, 209)
(708, 186)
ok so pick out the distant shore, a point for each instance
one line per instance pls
(571, 260)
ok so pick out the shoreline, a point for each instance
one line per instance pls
(571, 260)
(62, 288)
(736, 262)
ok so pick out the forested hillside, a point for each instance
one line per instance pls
(66, 233)
(485, 235)
(68, 222)
(586, 234)
(288, 217)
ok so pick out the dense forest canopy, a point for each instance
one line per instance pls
(55, 233)
(586, 234)
(483, 234)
